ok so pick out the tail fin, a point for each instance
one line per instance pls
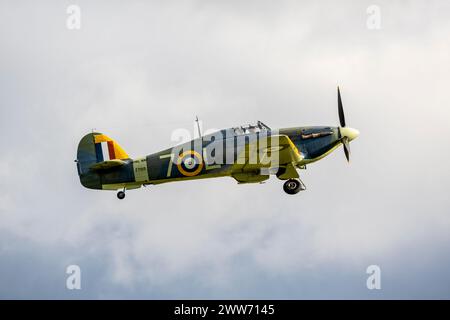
(95, 148)
(107, 149)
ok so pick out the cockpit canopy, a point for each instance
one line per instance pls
(247, 129)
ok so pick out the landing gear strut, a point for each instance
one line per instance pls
(293, 186)
(121, 194)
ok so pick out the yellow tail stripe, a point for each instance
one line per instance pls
(118, 151)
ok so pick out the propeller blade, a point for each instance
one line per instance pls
(346, 148)
(341, 110)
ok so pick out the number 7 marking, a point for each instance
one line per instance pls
(169, 168)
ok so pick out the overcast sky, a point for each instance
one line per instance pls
(138, 71)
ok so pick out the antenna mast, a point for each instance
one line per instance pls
(198, 127)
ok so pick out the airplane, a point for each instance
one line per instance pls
(249, 154)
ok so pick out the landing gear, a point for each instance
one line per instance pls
(121, 194)
(293, 186)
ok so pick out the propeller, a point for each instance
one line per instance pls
(346, 145)
(347, 134)
(341, 109)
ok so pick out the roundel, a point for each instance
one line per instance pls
(190, 163)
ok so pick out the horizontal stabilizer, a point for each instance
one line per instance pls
(107, 164)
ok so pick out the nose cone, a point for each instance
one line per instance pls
(350, 133)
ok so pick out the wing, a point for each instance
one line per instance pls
(288, 153)
(267, 152)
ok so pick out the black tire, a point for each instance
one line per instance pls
(292, 186)
(121, 195)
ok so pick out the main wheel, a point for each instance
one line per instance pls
(120, 195)
(292, 186)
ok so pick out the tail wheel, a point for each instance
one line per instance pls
(121, 195)
(292, 186)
